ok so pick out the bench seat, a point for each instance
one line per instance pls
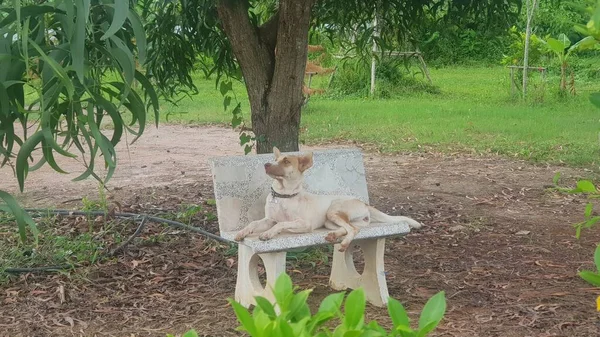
(241, 188)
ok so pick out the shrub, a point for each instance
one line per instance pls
(291, 315)
(354, 79)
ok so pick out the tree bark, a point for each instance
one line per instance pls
(272, 58)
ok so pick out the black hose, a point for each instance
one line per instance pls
(37, 212)
(130, 215)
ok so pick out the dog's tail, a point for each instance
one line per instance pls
(378, 216)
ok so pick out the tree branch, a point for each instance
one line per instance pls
(268, 31)
(252, 53)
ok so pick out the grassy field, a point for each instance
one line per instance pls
(473, 113)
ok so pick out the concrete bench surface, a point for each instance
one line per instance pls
(241, 187)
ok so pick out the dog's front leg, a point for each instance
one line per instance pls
(257, 226)
(296, 226)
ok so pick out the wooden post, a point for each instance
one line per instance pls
(425, 70)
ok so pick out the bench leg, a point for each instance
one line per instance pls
(248, 284)
(372, 280)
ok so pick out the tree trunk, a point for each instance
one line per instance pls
(272, 58)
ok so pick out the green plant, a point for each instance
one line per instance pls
(290, 316)
(191, 333)
(588, 188)
(353, 79)
(96, 205)
(593, 277)
(514, 56)
(563, 49)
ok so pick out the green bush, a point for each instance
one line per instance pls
(514, 56)
(354, 79)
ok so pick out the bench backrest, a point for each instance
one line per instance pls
(241, 185)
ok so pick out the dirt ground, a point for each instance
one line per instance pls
(496, 241)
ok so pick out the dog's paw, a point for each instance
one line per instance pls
(265, 236)
(415, 224)
(331, 237)
(241, 235)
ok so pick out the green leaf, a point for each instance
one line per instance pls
(265, 305)
(597, 258)
(398, 313)
(298, 306)
(564, 40)
(114, 115)
(191, 333)
(283, 291)
(27, 11)
(22, 218)
(78, 40)
(355, 309)
(433, 312)
(149, 88)
(332, 303)
(121, 10)
(590, 277)
(22, 166)
(140, 34)
(586, 186)
(586, 43)
(556, 178)
(353, 333)
(56, 68)
(226, 102)
(285, 330)
(107, 149)
(556, 46)
(588, 209)
(124, 58)
(319, 319)
(225, 87)
(244, 317)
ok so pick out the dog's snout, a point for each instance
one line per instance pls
(267, 165)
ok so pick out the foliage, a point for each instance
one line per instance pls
(563, 49)
(514, 56)
(69, 67)
(393, 79)
(593, 277)
(588, 188)
(555, 17)
(191, 333)
(291, 316)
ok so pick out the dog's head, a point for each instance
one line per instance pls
(288, 167)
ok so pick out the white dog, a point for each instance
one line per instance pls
(290, 208)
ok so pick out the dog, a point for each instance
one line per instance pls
(290, 208)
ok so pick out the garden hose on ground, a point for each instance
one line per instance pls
(142, 218)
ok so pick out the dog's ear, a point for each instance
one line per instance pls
(276, 152)
(305, 162)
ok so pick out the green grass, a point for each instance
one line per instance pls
(473, 112)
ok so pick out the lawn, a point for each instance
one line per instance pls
(473, 113)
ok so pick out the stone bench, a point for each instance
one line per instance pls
(241, 188)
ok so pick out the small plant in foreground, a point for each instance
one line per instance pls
(588, 188)
(291, 316)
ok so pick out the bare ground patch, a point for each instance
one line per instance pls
(495, 240)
